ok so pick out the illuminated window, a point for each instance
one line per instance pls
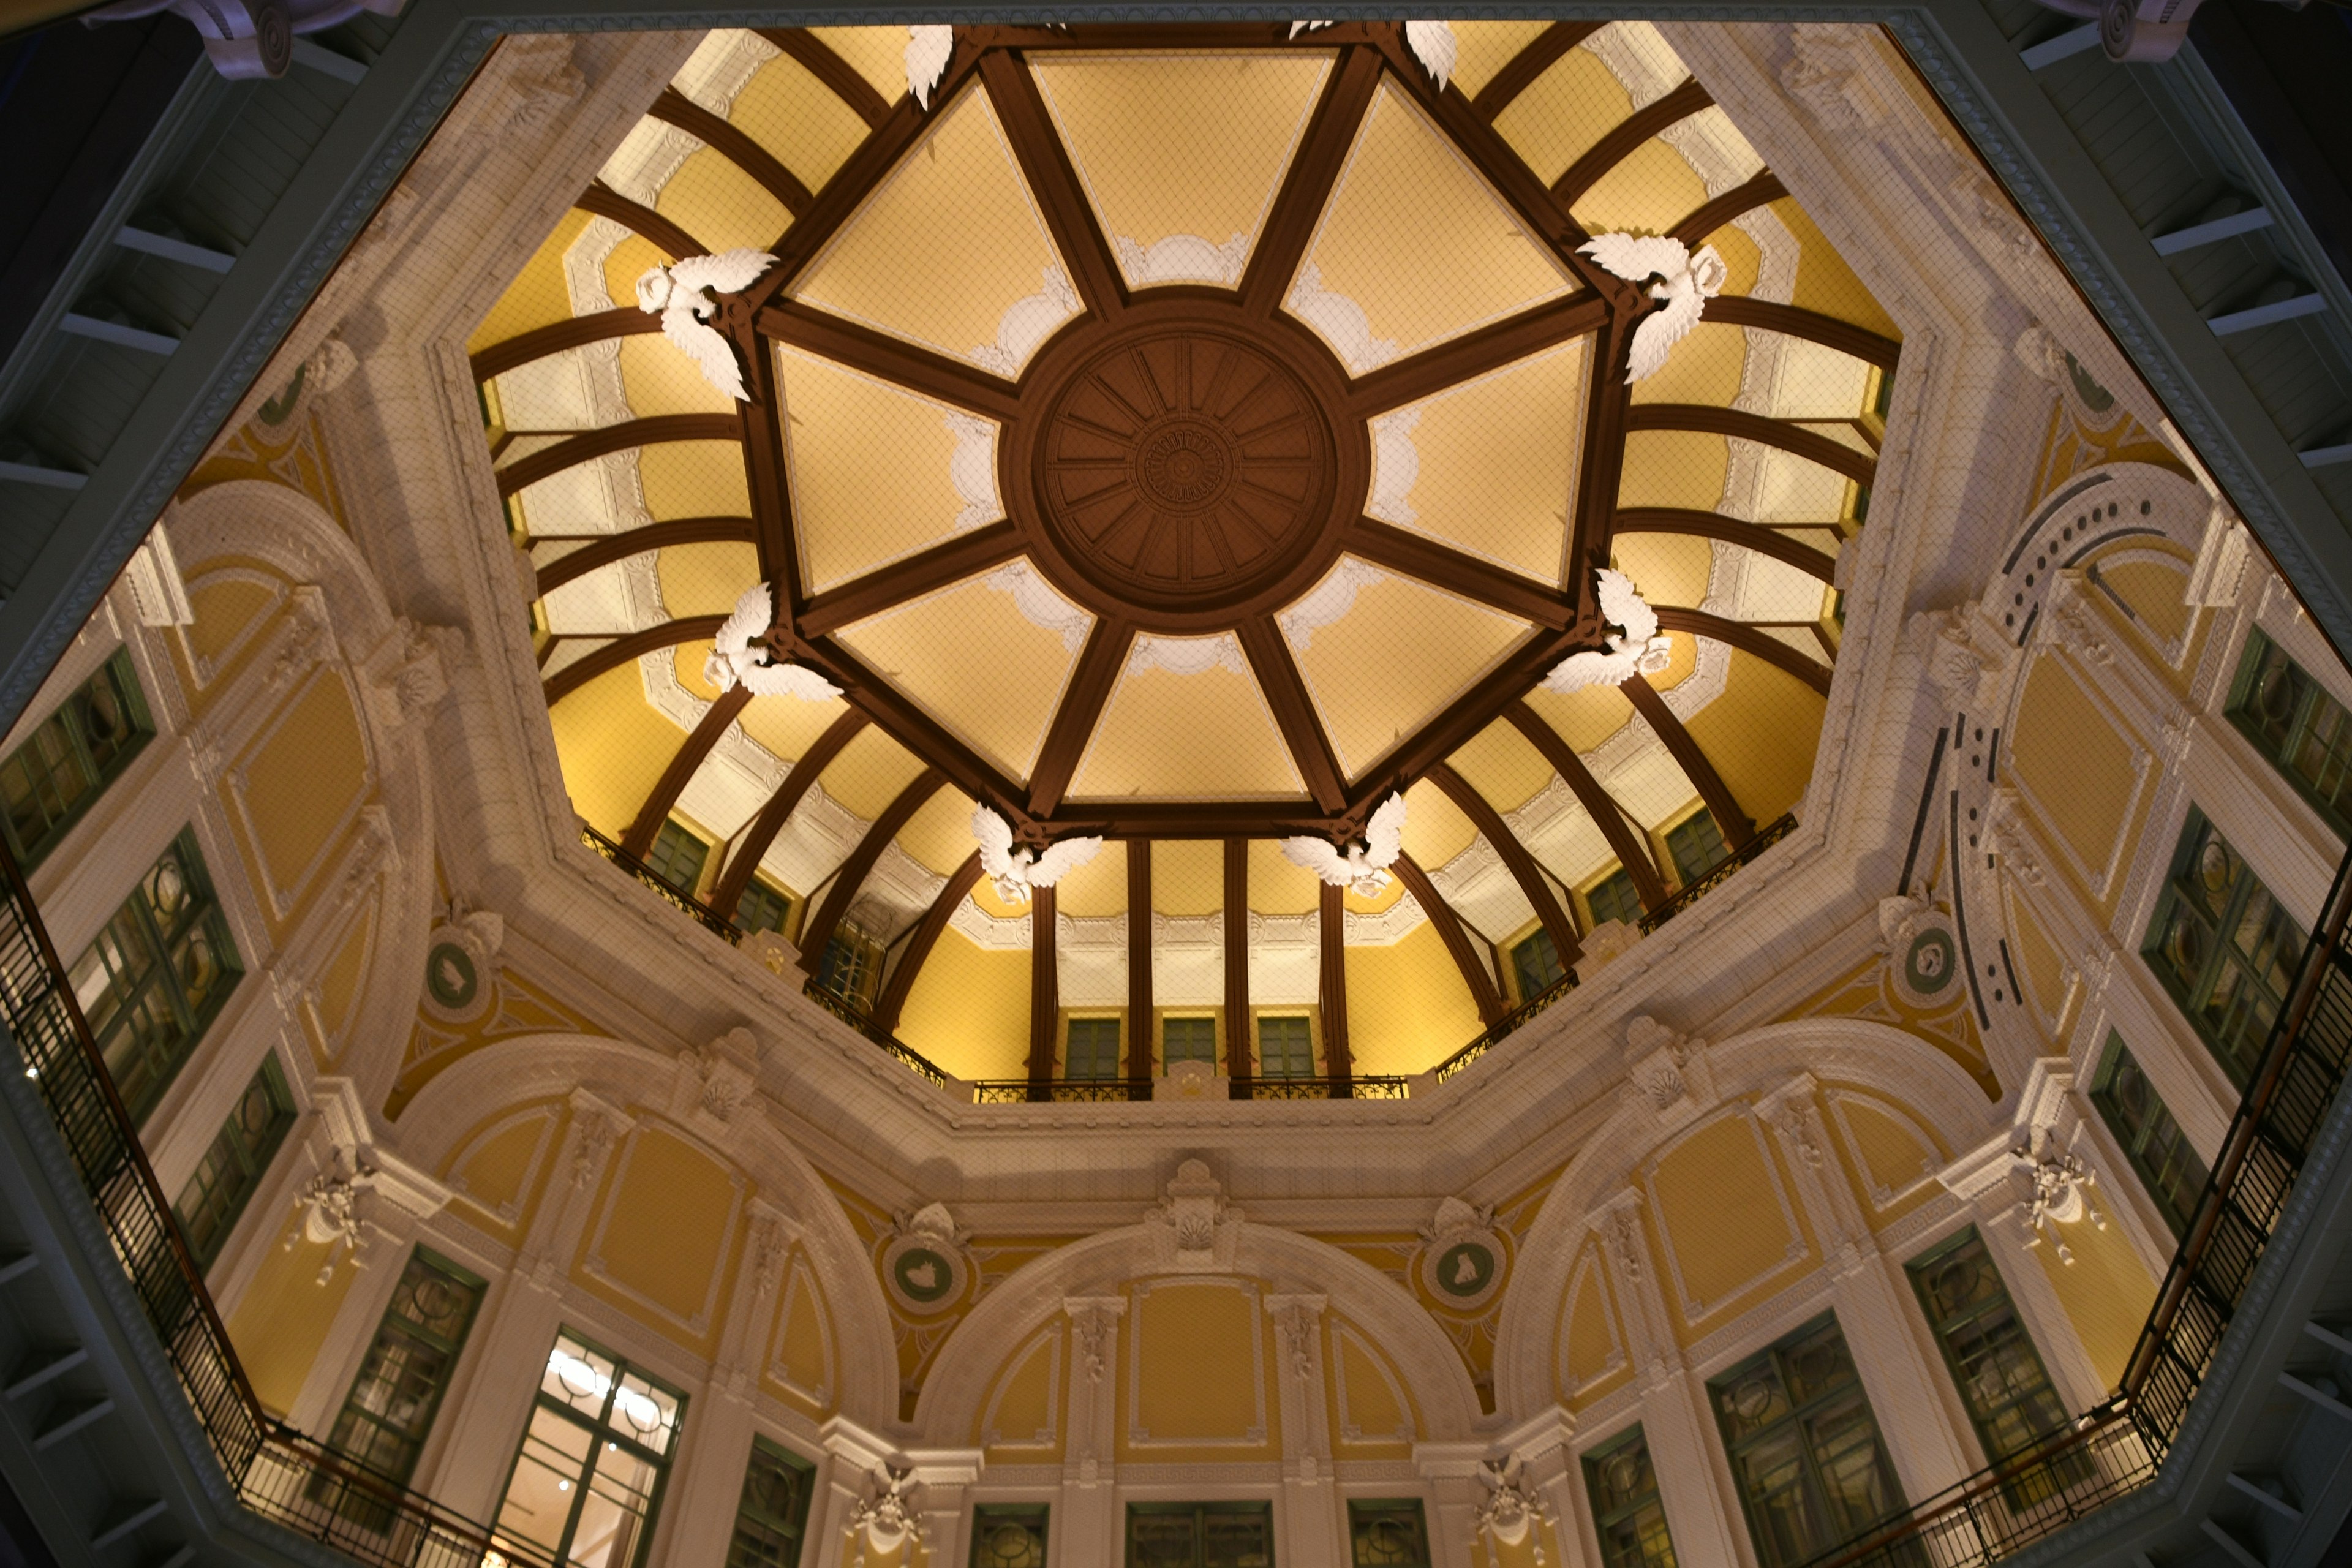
(1093, 1049)
(1387, 1532)
(2301, 729)
(1008, 1535)
(588, 1480)
(1286, 1048)
(389, 1412)
(1615, 897)
(2223, 947)
(1696, 846)
(763, 907)
(772, 1515)
(2159, 1153)
(49, 781)
(1805, 1447)
(156, 975)
(1536, 963)
(1199, 1535)
(1993, 1363)
(232, 1168)
(677, 857)
(851, 967)
(1626, 1514)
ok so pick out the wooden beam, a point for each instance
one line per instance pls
(1294, 713)
(1632, 848)
(735, 144)
(1740, 425)
(1099, 665)
(988, 546)
(603, 549)
(1748, 640)
(1306, 187)
(1441, 914)
(1795, 321)
(1522, 865)
(620, 650)
(1618, 142)
(1737, 828)
(1755, 536)
(893, 1000)
(1442, 566)
(760, 415)
(1521, 72)
(850, 876)
(745, 862)
(1762, 190)
(1045, 165)
(1240, 1049)
(1138, 958)
(911, 724)
(1044, 990)
(571, 332)
(641, 220)
(817, 58)
(965, 387)
(682, 770)
(1472, 354)
(524, 472)
(1331, 979)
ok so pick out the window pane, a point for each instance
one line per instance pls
(1627, 1516)
(1093, 1050)
(1008, 1535)
(2161, 1155)
(1804, 1446)
(1536, 963)
(1696, 846)
(1388, 1533)
(232, 1168)
(2223, 947)
(593, 1462)
(1613, 899)
(1286, 1048)
(547, 1477)
(1188, 1040)
(390, 1410)
(761, 907)
(155, 975)
(677, 857)
(47, 781)
(2303, 732)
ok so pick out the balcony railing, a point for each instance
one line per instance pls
(1109, 1090)
(1719, 873)
(2114, 1449)
(670, 893)
(279, 1473)
(847, 1010)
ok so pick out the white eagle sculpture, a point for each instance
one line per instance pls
(681, 294)
(735, 660)
(928, 48)
(1431, 43)
(1364, 867)
(1016, 872)
(1640, 651)
(1687, 281)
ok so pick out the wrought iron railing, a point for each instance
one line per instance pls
(1719, 873)
(1356, 1086)
(1508, 1024)
(848, 1011)
(279, 1473)
(2116, 1447)
(1060, 1091)
(670, 893)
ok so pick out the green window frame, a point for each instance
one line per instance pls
(1092, 1049)
(851, 968)
(230, 1170)
(1387, 1532)
(1615, 897)
(1696, 846)
(1199, 1535)
(677, 855)
(1009, 1535)
(66, 764)
(602, 1435)
(763, 907)
(156, 975)
(389, 1412)
(771, 1517)
(1622, 1488)
(1992, 1360)
(1536, 964)
(1188, 1040)
(2159, 1153)
(2221, 947)
(1285, 1046)
(2296, 726)
(1806, 1455)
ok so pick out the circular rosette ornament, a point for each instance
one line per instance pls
(1925, 951)
(1463, 1258)
(461, 964)
(924, 1267)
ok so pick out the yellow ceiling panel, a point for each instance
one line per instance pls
(788, 112)
(1497, 462)
(869, 469)
(1762, 738)
(1435, 829)
(787, 726)
(1206, 736)
(1482, 48)
(1585, 717)
(538, 296)
(657, 379)
(705, 579)
(1743, 259)
(1680, 664)
(1182, 145)
(1502, 765)
(612, 748)
(1650, 191)
(1667, 568)
(1563, 112)
(1372, 686)
(869, 773)
(628, 262)
(1188, 876)
(715, 200)
(694, 478)
(1824, 281)
(1705, 367)
(977, 663)
(1278, 886)
(939, 836)
(1416, 238)
(1096, 888)
(1355, 904)
(878, 54)
(686, 661)
(949, 247)
(1673, 468)
(983, 893)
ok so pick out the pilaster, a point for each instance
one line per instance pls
(1086, 1526)
(1311, 1515)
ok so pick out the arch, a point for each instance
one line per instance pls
(527, 1067)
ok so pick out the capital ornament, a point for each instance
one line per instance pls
(884, 1522)
(1509, 1511)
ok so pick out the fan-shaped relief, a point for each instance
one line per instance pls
(1359, 1419)
(1187, 656)
(972, 469)
(1328, 601)
(1338, 321)
(800, 1348)
(498, 1169)
(1895, 1173)
(1038, 1361)
(1590, 1350)
(995, 933)
(1396, 467)
(1183, 259)
(1027, 322)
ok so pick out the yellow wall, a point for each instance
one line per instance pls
(1408, 1006)
(969, 1009)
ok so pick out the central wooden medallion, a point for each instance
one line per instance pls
(1185, 465)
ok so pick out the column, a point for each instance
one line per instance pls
(1311, 1518)
(1087, 1526)
(706, 1486)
